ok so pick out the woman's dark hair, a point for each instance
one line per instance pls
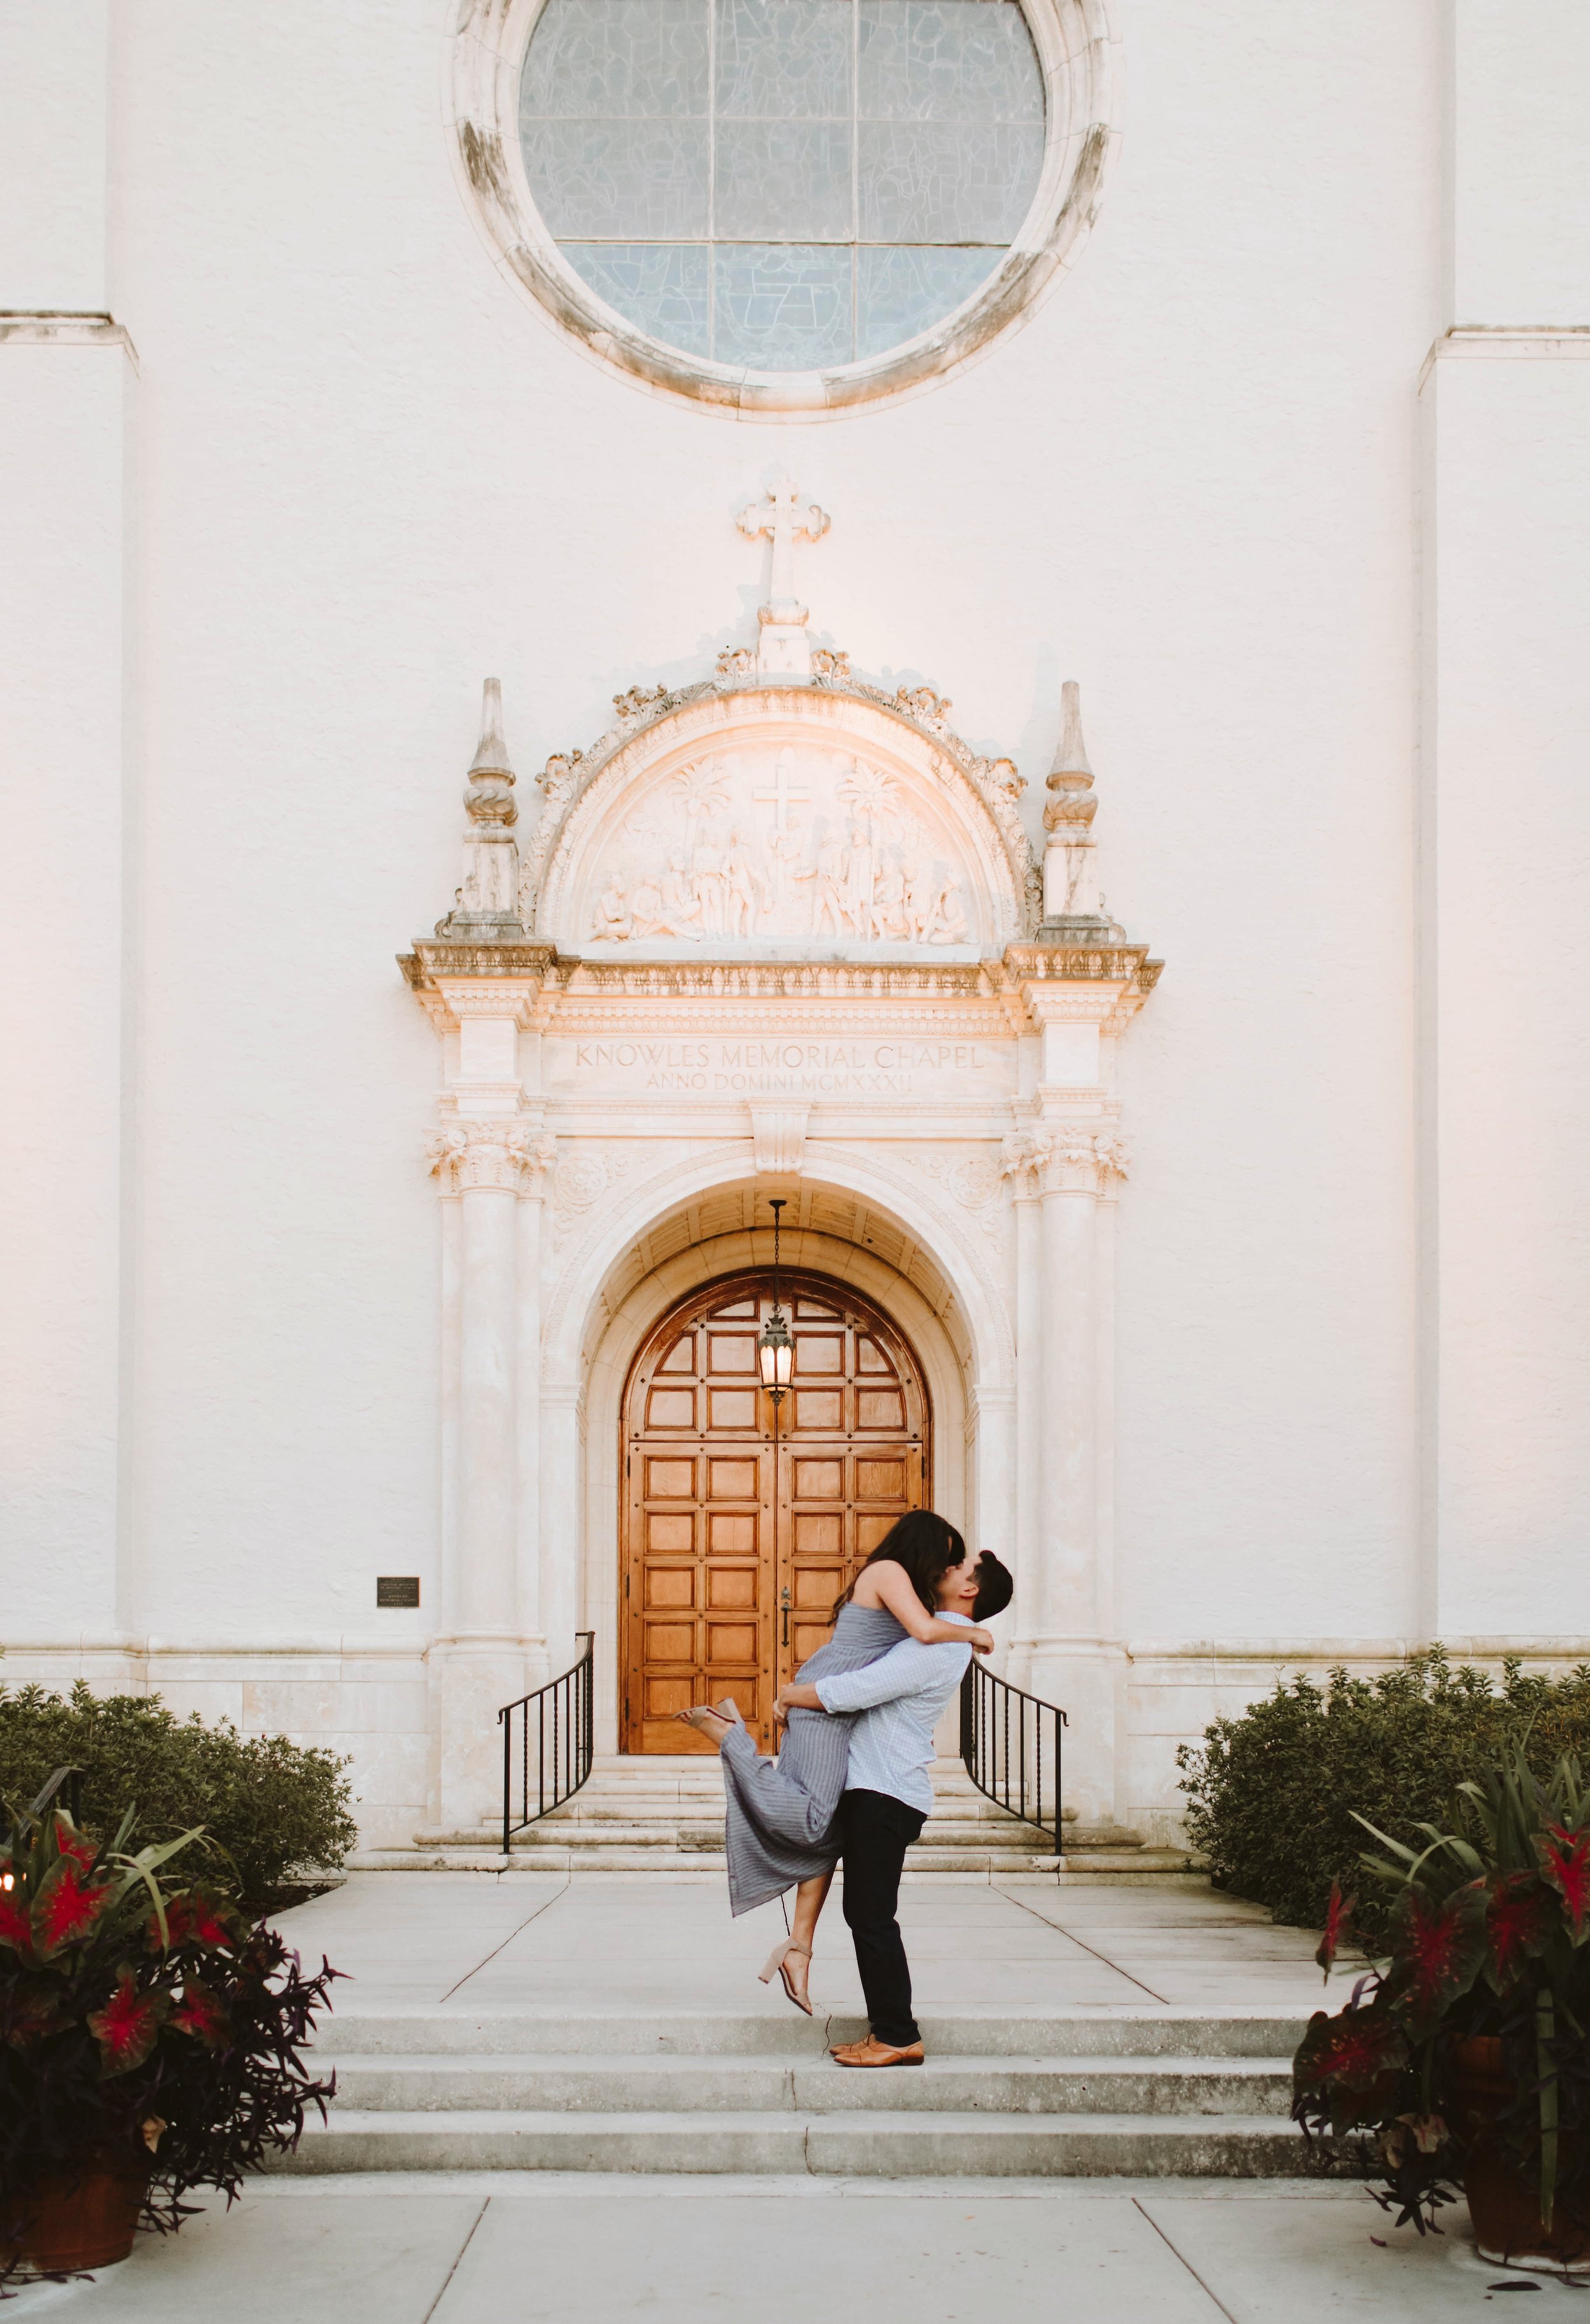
(925, 1545)
(995, 1588)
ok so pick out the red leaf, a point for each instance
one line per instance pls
(1437, 1952)
(1518, 1922)
(213, 1924)
(1338, 1914)
(193, 1918)
(1565, 1862)
(201, 2014)
(71, 1842)
(30, 2009)
(66, 1906)
(1350, 2050)
(126, 2028)
(16, 1929)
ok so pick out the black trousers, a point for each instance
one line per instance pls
(875, 1832)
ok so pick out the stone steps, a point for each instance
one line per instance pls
(892, 2144)
(1072, 2093)
(574, 2083)
(666, 1815)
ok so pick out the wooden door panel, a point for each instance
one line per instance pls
(879, 1409)
(820, 1479)
(741, 1528)
(731, 1408)
(672, 1480)
(669, 1530)
(671, 1408)
(730, 1480)
(820, 1409)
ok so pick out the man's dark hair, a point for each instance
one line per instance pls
(995, 1588)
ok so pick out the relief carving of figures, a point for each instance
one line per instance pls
(821, 851)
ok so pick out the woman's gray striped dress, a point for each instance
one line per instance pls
(778, 1811)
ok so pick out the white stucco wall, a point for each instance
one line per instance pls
(367, 473)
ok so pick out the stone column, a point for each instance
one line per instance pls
(532, 1619)
(1075, 1662)
(482, 1162)
(1069, 1178)
(563, 1528)
(992, 1506)
(1017, 1161)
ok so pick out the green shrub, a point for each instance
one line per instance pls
(270, 1804)
(1271, 1795)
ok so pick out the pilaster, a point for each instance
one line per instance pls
(1503, 835)
(489, 1154)
(1067, 1164)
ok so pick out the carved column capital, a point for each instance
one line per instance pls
(506, 1156)
(1018, 1161)
(1050, 1160)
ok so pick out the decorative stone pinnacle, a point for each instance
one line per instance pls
(1073, 907)
(485, 903)
(489, 800)
(1071, 779)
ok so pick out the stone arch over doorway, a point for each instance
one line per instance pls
(742, 1518)
(713, 1236)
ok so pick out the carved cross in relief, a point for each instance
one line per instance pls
(780, 795)
(782, 518)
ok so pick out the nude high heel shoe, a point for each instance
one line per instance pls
(706, 1721)
(777, 1966)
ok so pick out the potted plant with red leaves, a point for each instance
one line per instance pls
(150, 2040)
(1464, 2054)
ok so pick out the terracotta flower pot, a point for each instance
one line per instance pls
(74, 2223)
(1503, 2201)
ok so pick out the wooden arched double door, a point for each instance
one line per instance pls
(741, 1524)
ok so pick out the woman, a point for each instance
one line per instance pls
(778, 1813)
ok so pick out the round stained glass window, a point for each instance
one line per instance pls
(782, 186)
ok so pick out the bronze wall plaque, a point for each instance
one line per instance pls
(397, 1588)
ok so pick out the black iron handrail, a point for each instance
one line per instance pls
(1003, 1740)
(563, 1726)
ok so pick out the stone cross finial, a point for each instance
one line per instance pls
(1070, 878)
(782, 517)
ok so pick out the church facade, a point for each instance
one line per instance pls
(1155, 1103)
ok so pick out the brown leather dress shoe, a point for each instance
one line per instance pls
(876, 2054)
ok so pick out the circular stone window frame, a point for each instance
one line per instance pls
(1076, 44)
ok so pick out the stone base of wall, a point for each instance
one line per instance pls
(374, 1704)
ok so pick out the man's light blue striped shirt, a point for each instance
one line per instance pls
(900, 1697)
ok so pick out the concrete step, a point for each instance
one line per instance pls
(623, 1863)
(576, 2083)
(589, 1807)
(981, 2034)
(1011, 1839)
(665, 1815)
(896, 2143)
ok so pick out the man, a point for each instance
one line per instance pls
(888, 1796)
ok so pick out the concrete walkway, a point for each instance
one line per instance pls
(478, 1941)
(542, 2247)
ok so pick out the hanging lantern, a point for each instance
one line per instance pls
(775, 1347)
